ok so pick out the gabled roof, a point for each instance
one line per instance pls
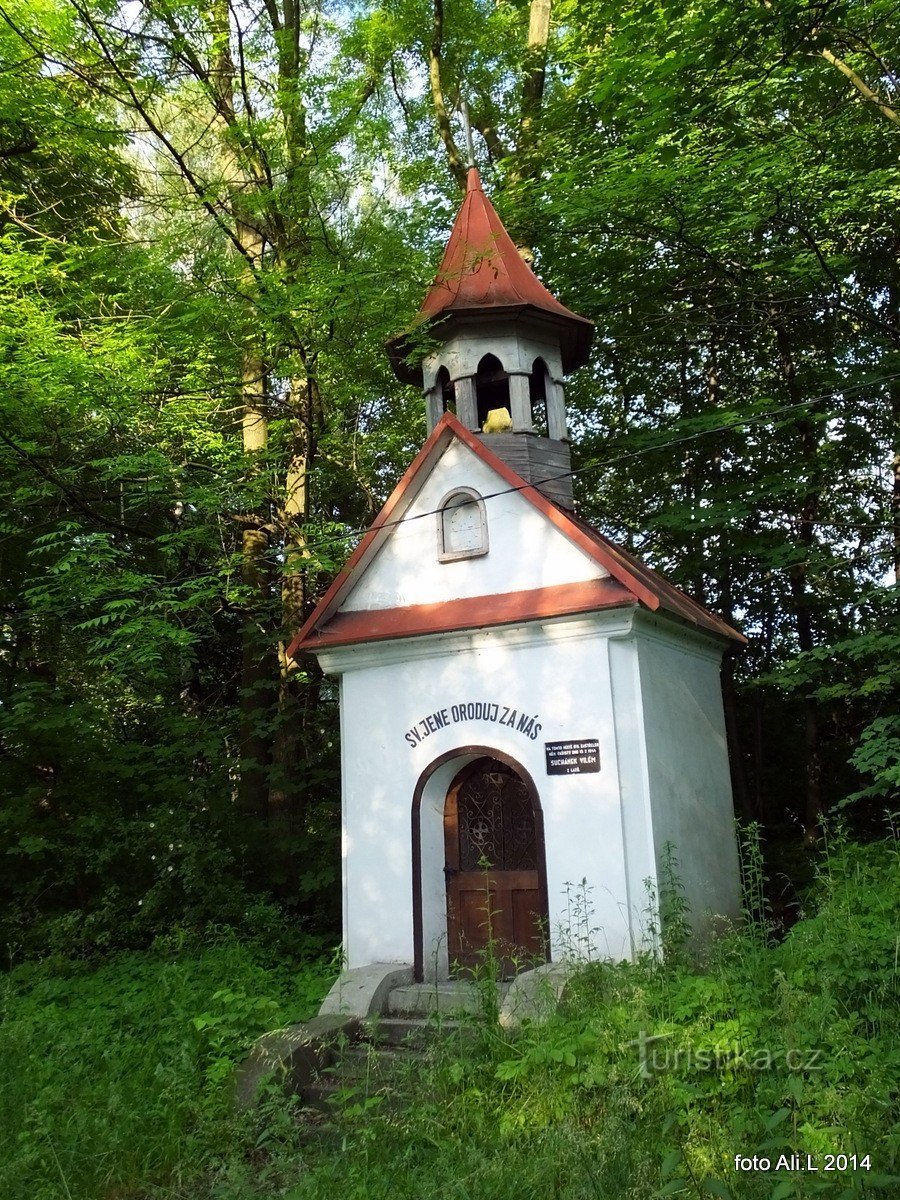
(630, 583)
(481, 273)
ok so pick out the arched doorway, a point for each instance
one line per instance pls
(494, 868)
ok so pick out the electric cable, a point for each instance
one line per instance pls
(599, 464)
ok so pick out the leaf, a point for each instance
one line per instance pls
(715, 1187)
(783, 1189)
(776, 1119)
(672, 1187)
(670, 1162)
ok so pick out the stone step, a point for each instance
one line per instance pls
(372, 1059)
(424, 999)
(359, 1071)
(414, 1033)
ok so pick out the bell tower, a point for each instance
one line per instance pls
(493, 340)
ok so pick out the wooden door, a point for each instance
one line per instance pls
(494, 867)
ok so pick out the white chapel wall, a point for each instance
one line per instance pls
(688, 771)
(558, 678)
(634, 789)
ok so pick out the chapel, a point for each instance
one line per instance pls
(531, 719)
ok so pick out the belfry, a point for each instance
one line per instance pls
(504, 342)
(527, 711)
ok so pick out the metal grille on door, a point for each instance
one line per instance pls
(496, 822)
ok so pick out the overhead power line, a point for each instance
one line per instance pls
(599, 464)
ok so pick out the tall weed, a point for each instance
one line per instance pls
(647, 1082)
(115, 1077)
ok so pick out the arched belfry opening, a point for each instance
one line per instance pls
(446, 391)
(491, 387)
(538, 388)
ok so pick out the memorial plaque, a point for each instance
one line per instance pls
(572, 758)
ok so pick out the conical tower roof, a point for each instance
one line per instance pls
(483, 274)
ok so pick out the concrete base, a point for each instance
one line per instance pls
(534, 995)
(363, 991)
(293, 1056)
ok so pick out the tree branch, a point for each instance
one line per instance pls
(847, 71)
(454, 158)
(156, 129)
(24, 147)
(496, 147)
(861, 86)
(71, 494)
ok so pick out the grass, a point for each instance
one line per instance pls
(117, 1077)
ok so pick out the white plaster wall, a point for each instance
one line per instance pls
(559, 674)
(516, 345)
(688, 773)
(634, 788)
(525, 549)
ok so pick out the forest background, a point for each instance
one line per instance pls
(212, 217)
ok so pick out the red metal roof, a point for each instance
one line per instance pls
(631, 583)
(483, 272)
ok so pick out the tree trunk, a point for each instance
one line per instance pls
(535, 74)
(438, 102)
(293, 251)
(800, 594)
(712, 472)
(256, 664)
(894, 392)
(256, 670)
(284, 792)
(743, 801)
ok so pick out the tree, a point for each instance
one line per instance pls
(729, 205)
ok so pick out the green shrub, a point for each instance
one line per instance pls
(654, 1075)
(115, 1077)
(646, 1083)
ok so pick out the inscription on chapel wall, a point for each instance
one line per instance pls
(474, 710)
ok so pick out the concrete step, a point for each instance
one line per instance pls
(379, 1059)
(373, 1060)
(424, 999)
(358, 1072)
(414, 1033)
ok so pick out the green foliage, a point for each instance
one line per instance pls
(115, 1077)
(727, 218)
(647, 1082)
(722, 201)
(651, 1078)
(674, 910)
(718, 198)
(857, 677)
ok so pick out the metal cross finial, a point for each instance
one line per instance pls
(470, 149)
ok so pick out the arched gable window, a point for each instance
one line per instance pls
(491, 387)
(446, 391)
(462, 526)
(537, 392)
